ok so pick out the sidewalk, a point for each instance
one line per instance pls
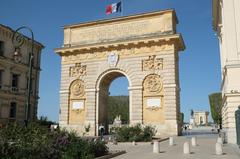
(204, 150)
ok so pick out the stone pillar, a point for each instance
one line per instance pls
(194, 141)
(156, 147)
(186, 148)
(171, 109)
(91, 114)
(171, 142)
(63, 112)
(219, 150)
(135, 105)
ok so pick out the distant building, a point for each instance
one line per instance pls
(226, 23)
(13, 78)
(200, 118)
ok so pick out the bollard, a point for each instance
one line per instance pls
(186, 148)
(115, 141)
(219, 140)
(156, 147)
(133, 143)
(219, 150)
(194, 141)
(171, 142)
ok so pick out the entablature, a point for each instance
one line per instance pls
(174, 39)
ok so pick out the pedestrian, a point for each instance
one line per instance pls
(101, 130)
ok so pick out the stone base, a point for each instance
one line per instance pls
(169, 128)
(80, 129)
(230, 135)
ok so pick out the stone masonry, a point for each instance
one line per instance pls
(143, 48)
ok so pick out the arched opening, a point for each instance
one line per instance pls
(201, 120)
(113, 100)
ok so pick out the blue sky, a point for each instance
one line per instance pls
(199, 63)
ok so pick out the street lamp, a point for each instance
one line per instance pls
(18, 40)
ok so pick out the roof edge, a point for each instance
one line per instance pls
(134, 16)
(26, 37)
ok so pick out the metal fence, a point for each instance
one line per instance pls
(237, 116)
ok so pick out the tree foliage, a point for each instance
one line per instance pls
(37, 142)
(118, 105)
(134, 133)
(215, 101)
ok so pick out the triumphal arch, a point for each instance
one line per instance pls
(143, 48)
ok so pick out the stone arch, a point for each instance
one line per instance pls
(102, 86)
(117, 70)
(77, 108)
(135, 53)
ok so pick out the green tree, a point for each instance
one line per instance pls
(118, 105)
(182, 118)
(215, 101)
(192, 113)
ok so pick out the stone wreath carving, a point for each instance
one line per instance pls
(77, 70)
(152, 63)
(77, 89)
(152, 85)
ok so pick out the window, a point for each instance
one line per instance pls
(1, 72)
(13, 108)
(1, 48)
(15, 82)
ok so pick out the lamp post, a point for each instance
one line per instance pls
(18, 40)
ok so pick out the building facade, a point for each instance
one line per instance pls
(143, 48)
(200, 118)
(226, 23)
(13, 77)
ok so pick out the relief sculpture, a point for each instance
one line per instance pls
(152, 85)
(77, 89)
(77, 70)
(152, 63)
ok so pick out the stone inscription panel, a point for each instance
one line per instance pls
(116, 30)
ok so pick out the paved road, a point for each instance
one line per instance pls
(204, 150)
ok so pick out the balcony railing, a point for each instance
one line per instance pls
(14, 89)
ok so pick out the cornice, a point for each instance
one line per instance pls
(124, 18)
(5, 60)
(144, 41)
(215, 14)
(10, 32)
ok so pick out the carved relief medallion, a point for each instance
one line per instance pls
(112, 59)
(77, 70)
(77, 89)
(152, 63)
(152, 85)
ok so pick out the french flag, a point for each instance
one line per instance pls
(113, 8)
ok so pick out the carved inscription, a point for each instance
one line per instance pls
(152, 85)
(152, 63)
(123, 53)
(110, 33)
(117, 31)
(77, 70)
